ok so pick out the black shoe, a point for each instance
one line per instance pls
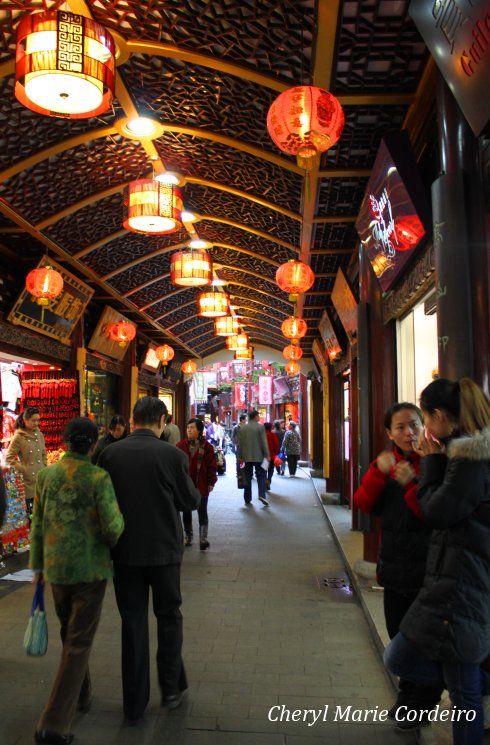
(52, 738)
(421, 720)
(173, 702)
(204, 545)
(264, 501)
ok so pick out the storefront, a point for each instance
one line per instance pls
(417, 351)
(101, 397)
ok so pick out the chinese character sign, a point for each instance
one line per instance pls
(265, 390)
(240, 391)
(200, 390)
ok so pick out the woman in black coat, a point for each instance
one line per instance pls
(445, 635)
(117, 430)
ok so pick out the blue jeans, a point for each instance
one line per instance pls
(463, 681)
(260, 474)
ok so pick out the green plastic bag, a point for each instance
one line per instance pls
(36, 636)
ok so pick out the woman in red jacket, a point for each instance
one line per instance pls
(202, 469)
(273, 443)
(389, 490)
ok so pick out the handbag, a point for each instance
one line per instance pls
(241, 479)
(36, 636)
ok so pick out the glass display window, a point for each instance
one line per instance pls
(101, 399)
(417, 351)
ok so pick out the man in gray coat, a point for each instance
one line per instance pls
(252, 450)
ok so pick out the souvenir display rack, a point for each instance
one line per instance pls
(14, 535)
(55, 393)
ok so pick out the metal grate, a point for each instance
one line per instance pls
(338, 587)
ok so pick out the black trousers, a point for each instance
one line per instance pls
(270, 471)
(202, 514)
(132, 585)
(292, 464)
(396, 604)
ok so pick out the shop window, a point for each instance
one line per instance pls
(101, 398)
(417, 353)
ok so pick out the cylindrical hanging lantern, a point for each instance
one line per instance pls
(244, 354)
(213, 304)
(293, 367)
(122, 332)
(64, 65)
(164, 353)
(189, 367)
(305, 121)
(295, 277)
(292, 352)
(44, 284)
(153, 207)
(236, 342)
(191, 268)
(294, 328)
(226, 326)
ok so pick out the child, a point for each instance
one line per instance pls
(388, 490)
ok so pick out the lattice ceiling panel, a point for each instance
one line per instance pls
(178, 92)
(323, 284)
(212, 161)
(24, 245)
(335, 235)
(238, 275)
(364, 128)
(312, 315)
(220, 204)
(378, 48)
(328, 263)
(170, 303)
(340, 196)
(220, 233)
(23, 132)
(181, 314)
(272, 301)
(62, 180)
(231, 258)
(90, 224)
(247, 307)
(131, 246)
(10, 16)
(193, 326)
(264, 34)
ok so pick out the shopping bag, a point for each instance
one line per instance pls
(241, 478)
(278, 461)
(36, 636)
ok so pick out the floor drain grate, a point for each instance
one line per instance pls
(338, 587)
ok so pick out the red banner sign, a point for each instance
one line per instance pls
(265, 390)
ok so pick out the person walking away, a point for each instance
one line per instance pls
(253, 450)
(389, 490)
(234, 438)
(445, 634)
(273, 444)
(117, 430)
(152, 484)
(292, 447)
(219, 433)
(202, 469)
(76, 520)
(27, 452)
(279, 431)
(171, 432)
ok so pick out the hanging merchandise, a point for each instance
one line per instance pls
(55, 393)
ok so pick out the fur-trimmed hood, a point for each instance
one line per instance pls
(472, 447)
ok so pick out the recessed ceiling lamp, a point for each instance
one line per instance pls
(217, 282)
(170, 177)
(188, 216)
(65, 65)
(200, 243)
(139, 128)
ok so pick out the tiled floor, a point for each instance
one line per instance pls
(259, 633)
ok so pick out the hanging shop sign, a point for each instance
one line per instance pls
(394, 218)
(58, 316)
(103, 341)
(240, 395)
(200, 388)
(151, 361)
(265, 390)
(319, 354)
(345, 305)
(332, 346)
(457, 33)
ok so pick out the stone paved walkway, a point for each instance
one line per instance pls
(259, 633)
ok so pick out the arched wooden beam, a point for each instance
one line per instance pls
(249, 229)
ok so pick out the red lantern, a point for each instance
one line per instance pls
(191, 268)
(122, 332)
(305, 121)
(213, 304)
(294, 328)
(293, 368)
(153, 207)
(295, 277)
(65, 65)
(292, 352)
(44, 284)
(408, 231)
(189, 367)
(165, 353)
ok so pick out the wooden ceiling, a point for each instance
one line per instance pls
(208, 71)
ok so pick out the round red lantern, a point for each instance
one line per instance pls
(122, 332)
(191, 268)
(44, 284)
(64, 65)
(408, 231)
(293, 367)
(189, 367)
(292, 352)
(165, 353)
(294, 328)
(305, 121)
(295, 277)
(213, 304)
(153, 207)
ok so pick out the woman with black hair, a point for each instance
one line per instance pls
(27, 452)
(75, 522)
(117, 431)
(445, 634)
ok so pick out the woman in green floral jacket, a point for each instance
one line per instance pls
(75, 522)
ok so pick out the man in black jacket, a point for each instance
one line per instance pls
(152, 484)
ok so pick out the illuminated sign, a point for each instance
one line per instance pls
(151, 360)
(345, 305)
(332, 346)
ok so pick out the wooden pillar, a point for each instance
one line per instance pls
(354, 437)
(129, 382)
(78, 362)
(334, 480)
(317, 425)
